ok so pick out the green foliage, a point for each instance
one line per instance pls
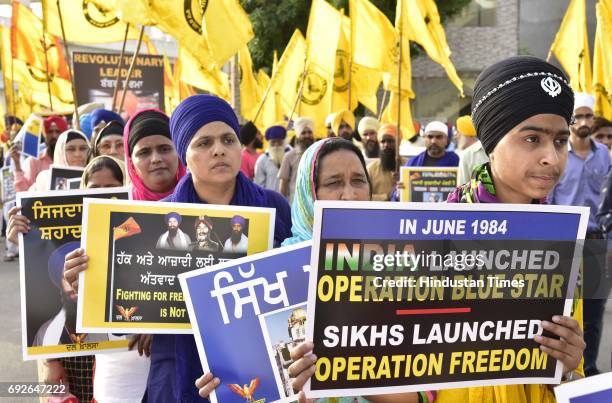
(275, 20)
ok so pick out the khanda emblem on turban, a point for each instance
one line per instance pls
(314, 88)
(551, 86)
(98, 15)
(341, 74)
(244, 390)
(194, 11)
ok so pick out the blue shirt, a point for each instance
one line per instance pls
(604, 215)
(582, 180)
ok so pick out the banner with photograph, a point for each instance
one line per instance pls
(95, 77)
(60, 177)
(427, 184)
(430, 299)
(48, 306)
(247, 315)
(594, 389)
(8, 187)
(137, 249)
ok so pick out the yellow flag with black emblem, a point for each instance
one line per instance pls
(136, 12)
(361, 82)
(571, 47)
(194, 72)
(226, 28)
(419, 21)
(29, 43)
(602, 60)
(85, 21)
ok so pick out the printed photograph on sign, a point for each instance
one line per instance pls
(427, 184)
(247, 314)
(137, 250)
(60, 177)
(48, 303)
(284, 330)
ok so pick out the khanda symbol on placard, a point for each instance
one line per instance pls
(194, 16)
(245, 391)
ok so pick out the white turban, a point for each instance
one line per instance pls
(582, 99)
(302, 123)
(368, 124)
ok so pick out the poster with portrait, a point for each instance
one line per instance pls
(427, 184)
(61, 176)
(430, 299)
(95, 78)
(48, 306)
(247, 315)
(136, 251)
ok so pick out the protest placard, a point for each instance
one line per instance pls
(60, 177)
(137, 249)
(48, 306)
(95, 78)
(430, 299)
(594, 389)
(427, 184)
(247, 315)
(8, 188)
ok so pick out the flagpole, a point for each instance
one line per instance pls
(13, 86)
(47, 74)
(382, 103)
(120, 65)
(263, 101)
(129, 73)
(76, 124)
(399, 99)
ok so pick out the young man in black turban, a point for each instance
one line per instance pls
(522, 108)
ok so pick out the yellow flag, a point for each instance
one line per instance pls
(272, 110)
(602, 60)
(389, 114)
(362, 81)
(29, 44)
(374, 39)
(324, 26)
(571, 47)
(194, 73)
(31, 77)
(85, 22)
(287, 76)
(250, 95)
(183, 21)
(135, 12)
(419, 21)
(226, 28)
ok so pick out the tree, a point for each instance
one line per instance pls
(275, 20)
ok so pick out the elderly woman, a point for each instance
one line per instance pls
(330, 169)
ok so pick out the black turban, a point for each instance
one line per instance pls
(147, 123)
(248, 133)
(513, 90)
